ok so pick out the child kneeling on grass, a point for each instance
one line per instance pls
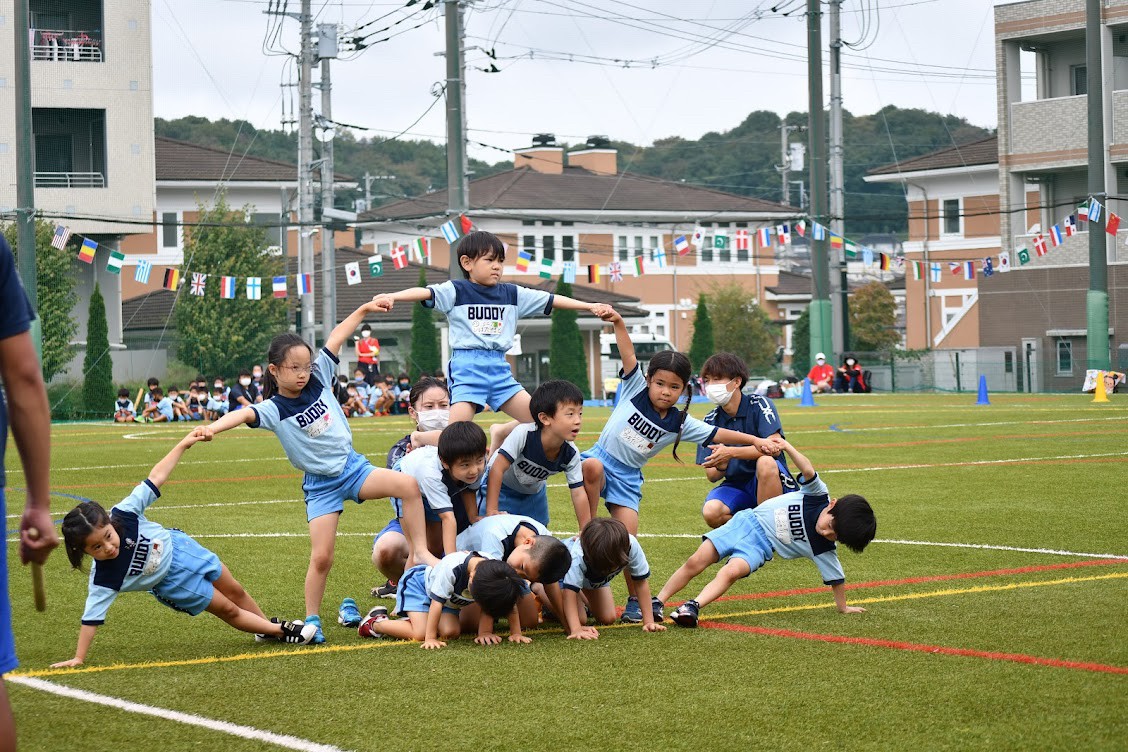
(132, 553)
(806, 523)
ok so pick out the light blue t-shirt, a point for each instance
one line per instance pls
(217, 405)
(164, 407)
(529, 464)
(789, 522)
(635, 432)
(492, 537)
(578, 577)
(485, 318)
(311, 427)
(438, 488)
(448, 582)
(143, 560)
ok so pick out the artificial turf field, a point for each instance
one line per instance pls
(1011, 635)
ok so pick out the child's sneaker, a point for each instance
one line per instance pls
(259, 637)
(315, 620)
(376, 615)
(387, 590)
(686, 614)
(348, 615)
(298, 632)
(632, 614)
(658, 608)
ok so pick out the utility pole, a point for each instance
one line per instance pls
(305, 178)
(326, 50)
(1096, 303)
(785, 163)
(458, 168)
(821, 322)
(840, 303)
(25, 177)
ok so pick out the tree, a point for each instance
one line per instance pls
(873, 315)
(566, 357)
(801, 344)
(97, 367)
(425, 358)
(741, 327)
(217, 335)
(702, 345)
(55, 283)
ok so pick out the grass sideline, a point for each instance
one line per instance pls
(960, 647)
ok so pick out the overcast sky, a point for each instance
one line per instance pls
(710, 63)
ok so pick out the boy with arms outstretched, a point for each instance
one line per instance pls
(805, 523)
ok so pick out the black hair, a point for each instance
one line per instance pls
(419, 388)
(199, 377)
(152, 382)
(403, 377)
(172, 388)
(855, 524)
(478, 244)
(678, 364)
(157, 391)
(552, 557)
(279, 348)
(123, 392)
(77, 526)
(462, 439)
(549, 396)
(726, 364)
(606, 545)
(496, 587)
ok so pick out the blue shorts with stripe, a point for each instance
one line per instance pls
(188, 585)
(411, 596)
(622, 484)
(392, 527)
(481, 377)
(742, 495)
(515, 502)
(742, 537)
(326, 494)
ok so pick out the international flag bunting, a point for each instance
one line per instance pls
(87, 251)
(422, 250)
(465, 223)
(867, 257)
(681, 245)
(254, 288)
(836, 241)
(279, 287)
(720, 240)
(1023, 256)
(1069, 225)
(144, 269)
(818, 232)
(1004, 262)
(1055, 235)
(638, 266)
(1083, 212)
(969, 269)
(1040, 245)
(305, 284)
(616, 271)
(934, 272)
(198, 282)
(523, 260)
(449, 231)
(743, 241)
(113, 264)
(918, 270)
(954, 267)
(569, 275)
(988, 267)
(660, 257)
(375, 265)
(227, 288)
(399, 258)
(1094, 211)
(783, 234)
(593, 274)
(851, 249)
(884, 261)
(801, 228)
(61, 236)
(546, 268)
(698, 236)
(171, 279)
(1112, 224)
(352, 273)
(764, 237)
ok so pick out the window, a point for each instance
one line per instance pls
(1078, 80)
(1064, 358)
(624, 251)
(548, 243)
(528, 222)
(638, 247)
(269, 223)
(951, 217)
(529, 244)
(1008, 362)
(170, 230)
(705, 253)
(568, 248)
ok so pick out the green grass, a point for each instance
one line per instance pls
(927, 463)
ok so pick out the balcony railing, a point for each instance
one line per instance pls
(65, 45)
(70, 180)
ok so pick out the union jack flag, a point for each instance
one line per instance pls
(198, 282)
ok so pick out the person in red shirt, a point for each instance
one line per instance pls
(821, 374)
(368, 355)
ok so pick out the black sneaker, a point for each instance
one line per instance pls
(298, 632)
(267, 637)
(686, 614)
(658, 608)
(387, 590)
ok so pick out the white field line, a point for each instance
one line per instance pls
(245, 732)
(846, 429)
(160, 507)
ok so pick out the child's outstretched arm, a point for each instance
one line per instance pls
(806, 469)
(160, 472)
(411, 295)
(344, 330)
(85, 638)
(622, 338)
(228, 421)
(571, 304)
(753, 447)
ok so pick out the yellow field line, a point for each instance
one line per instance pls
(391, 643)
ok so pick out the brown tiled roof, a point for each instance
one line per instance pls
(180, 160)
(152, 310)
(578, 190)
(981, 152)
(791, 283)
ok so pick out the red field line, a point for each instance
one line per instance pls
(927, 578)
(919, 648)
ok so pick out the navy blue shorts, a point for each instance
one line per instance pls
(740, 496)
(8, 660)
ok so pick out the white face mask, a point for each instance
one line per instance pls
(245, 382)
(821, 362)
(433, 420)
(365, 333)
(719, 393)
(218, 386)
(257, 374)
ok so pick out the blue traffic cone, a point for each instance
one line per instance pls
(806, 399)
(983, 391)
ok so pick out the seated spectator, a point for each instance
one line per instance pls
(383, 403)
(403, 395)
(362, 387)
(243, 394)
(197, 401)
(124, 412)
(850, 377)
(160, 409)
(354, 406)
(821, 374)
(145, 395)
(179, 408)
(217, 406)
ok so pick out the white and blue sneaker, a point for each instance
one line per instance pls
(319, 636)
(632, 614)
(686, 614)
(348, 615)
(659, 608)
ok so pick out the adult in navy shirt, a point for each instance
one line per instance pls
(744, 483)
(25, 397)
